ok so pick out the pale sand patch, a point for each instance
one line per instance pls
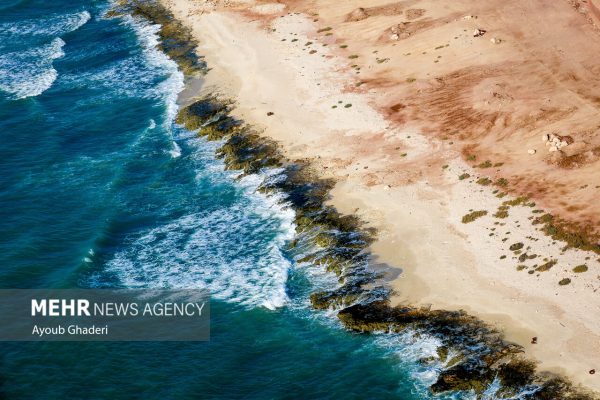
(394, 179)
(269, 8)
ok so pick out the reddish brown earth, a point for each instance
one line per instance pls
(493, 101)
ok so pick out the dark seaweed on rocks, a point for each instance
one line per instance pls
(482, 352)
(339, 241)
(474, 354)
(176, 40)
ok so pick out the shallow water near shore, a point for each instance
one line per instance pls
(99, 188)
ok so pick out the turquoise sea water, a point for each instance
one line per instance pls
(99, 188)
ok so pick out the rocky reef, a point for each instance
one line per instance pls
(472, 354)
(176, 40)
(339, 242)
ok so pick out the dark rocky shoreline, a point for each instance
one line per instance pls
(341, 246)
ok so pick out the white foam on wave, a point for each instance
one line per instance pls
(410, 347)
(175, 152)
(491, 393)
(147, 34)
(149, 74)
(30, 73)
(198, 251)
(234, 250)
(50, 26)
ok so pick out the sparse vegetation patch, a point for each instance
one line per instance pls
(580, 268)
(502, 212)
(473, 216)
(547, 266)
(501, 182)
(516, 246)
(574, 236)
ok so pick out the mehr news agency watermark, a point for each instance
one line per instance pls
(104, 315)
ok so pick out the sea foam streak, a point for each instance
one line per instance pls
(170, 87)
(30, 73)
(49, 26)
(175, 151)
(213, 250)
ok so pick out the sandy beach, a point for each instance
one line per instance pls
(430, 116)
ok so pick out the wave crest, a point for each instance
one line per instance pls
(49, 26)
(30, 73)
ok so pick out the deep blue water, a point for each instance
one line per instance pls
(99, 188)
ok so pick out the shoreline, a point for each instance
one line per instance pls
(377, 203)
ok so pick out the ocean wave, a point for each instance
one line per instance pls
(147, 34)
(30, 73)
(49, 26)
(148, 74)
(199, 250)
(235, 251)
(417, 353)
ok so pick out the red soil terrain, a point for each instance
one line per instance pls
(492, 77)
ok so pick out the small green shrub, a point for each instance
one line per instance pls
(526, 256)
(484, 181)
(502, 182)
(473, 216)
(580, 268)
(516, 246)
(502, 212)
(547, 266)
(516, 202)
